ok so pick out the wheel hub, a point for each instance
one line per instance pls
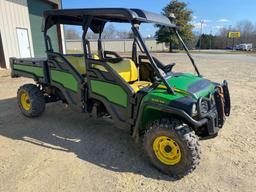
(25, 101)
(167, 150)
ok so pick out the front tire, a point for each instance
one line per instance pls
(31, 100)
(172, 147)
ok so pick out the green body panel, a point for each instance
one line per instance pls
(184, 81)
(36, 9)
(181, 84)
(38, 71)
(66, 79)
(112, 92)
(161, 97)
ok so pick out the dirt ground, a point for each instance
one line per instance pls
(67, 151)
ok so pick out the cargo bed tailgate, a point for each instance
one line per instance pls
(36, 68)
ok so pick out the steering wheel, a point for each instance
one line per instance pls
(168, 68)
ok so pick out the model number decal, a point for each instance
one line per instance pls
(158, 101)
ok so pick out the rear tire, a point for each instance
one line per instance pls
(31, 100)
(172, 147)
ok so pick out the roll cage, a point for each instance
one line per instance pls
(95, 19)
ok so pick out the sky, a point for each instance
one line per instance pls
(215, 14)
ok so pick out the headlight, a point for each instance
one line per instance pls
(204, 107)
(194, 110)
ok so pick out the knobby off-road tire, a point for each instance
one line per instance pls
(181, 138)
(31, 100)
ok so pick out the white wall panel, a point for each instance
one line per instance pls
(13, 14)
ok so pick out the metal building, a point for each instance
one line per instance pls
(20, 29)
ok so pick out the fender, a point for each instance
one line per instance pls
(166, 109)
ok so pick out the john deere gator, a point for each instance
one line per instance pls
(168, 111)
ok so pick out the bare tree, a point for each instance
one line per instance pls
(245, 27)
(109, 32)
(91, 35)
(248, 34)
(247, 30)
(124, 35)
(72, 34)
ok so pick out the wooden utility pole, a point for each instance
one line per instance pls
(201, 33)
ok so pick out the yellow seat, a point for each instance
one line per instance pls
(125, 68)
(138, 85)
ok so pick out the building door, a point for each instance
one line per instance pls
(24, 45)
(2, 59)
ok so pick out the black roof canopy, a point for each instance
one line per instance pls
(101, 16)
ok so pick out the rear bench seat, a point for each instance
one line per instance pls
(125, 68)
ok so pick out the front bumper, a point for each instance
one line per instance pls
(223, 104)
(217, 115)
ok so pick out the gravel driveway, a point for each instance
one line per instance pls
(67, 151)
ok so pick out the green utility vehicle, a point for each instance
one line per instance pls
(168, 110)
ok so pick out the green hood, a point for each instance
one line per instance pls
(185, 83)
(186, 86)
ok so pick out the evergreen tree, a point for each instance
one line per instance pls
(207, 42)
(183, 18)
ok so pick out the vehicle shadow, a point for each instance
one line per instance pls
(95, 141)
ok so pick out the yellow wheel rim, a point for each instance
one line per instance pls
(167, 150)
(25, 101)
